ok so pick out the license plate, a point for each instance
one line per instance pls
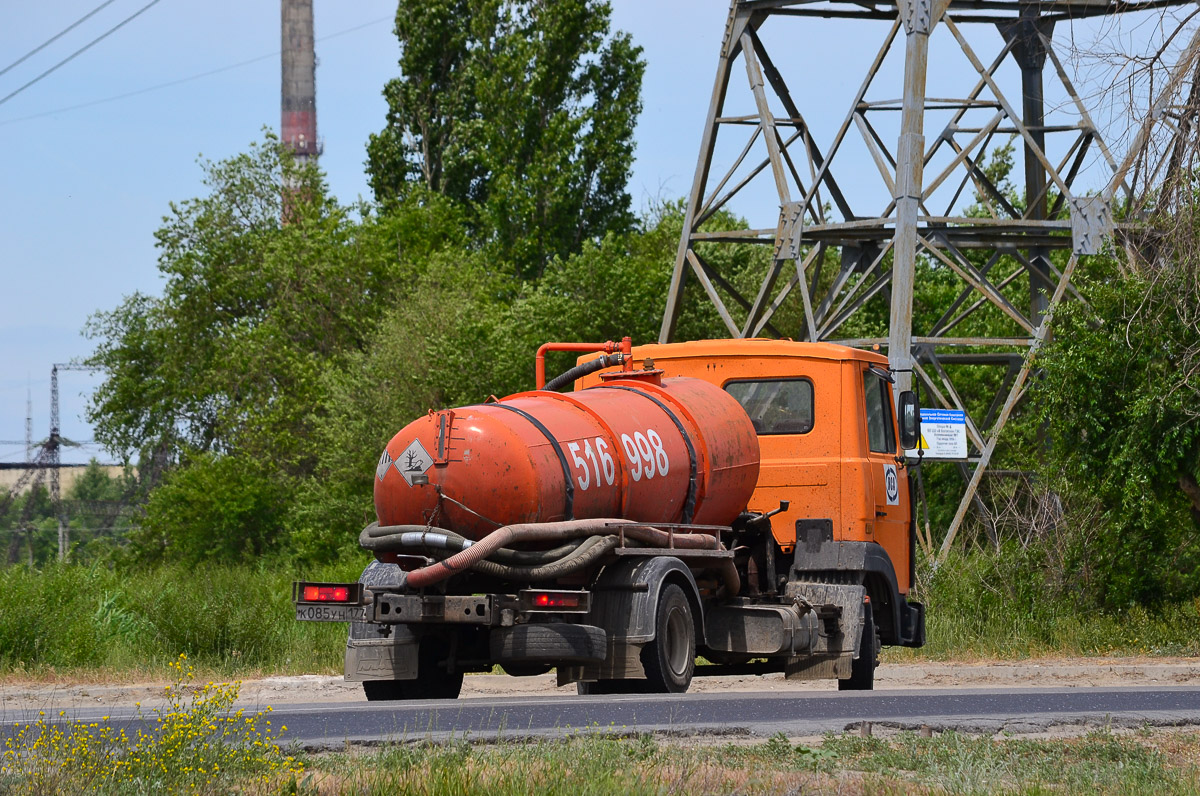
(331, 613)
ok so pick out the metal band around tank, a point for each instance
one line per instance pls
(562, 457)
(597, 418)
(689, 504)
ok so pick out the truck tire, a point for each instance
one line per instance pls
(862, 672)
(431, 682)
(670, 659)
(553, 643)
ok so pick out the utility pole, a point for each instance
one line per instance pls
(52, 449)
(28, 424)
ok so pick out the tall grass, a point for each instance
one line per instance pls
(235, 619)
(225, 618)
(1002, 605)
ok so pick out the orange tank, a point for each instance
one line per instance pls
(677, 450)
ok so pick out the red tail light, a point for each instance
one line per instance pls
(332, 594)
(309, 592)
(554, 601)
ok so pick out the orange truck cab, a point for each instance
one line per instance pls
(830, 448)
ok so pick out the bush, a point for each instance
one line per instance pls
(193, 743)
(221, 508)
(1122, 404)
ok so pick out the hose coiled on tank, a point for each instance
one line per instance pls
(393, 538)
(568, 529)
(579, 371)
(588, 553)
(469, 554)
(521, 565)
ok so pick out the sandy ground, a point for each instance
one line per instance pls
(1059, 673)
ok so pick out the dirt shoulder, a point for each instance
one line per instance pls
(1045, 673)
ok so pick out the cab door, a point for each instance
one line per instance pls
(889, 481)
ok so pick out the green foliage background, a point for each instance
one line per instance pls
(255, 393)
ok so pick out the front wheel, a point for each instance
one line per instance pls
(670, 659)
(862, 672)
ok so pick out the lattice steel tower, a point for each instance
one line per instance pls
(838, 249)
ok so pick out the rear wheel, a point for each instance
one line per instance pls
(670, 659)
(862, 672)
(432, 680)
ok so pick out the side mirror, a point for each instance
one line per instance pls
(910, 420)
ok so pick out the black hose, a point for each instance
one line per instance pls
(579, 371)
(392, 538)
(590, 551)
(507, 555)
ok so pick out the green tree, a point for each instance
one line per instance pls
(458, 338)
(99, 507)
(29, 526)
(523, 111)
(215, 506)
(224, 370)
(1122, 394)
(227, 357)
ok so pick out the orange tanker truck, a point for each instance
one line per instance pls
(744, 501)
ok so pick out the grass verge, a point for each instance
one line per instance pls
(1150, 763)
(997, 606)
(237, 620)
(196, 747)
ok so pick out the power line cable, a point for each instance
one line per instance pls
(58, 36)
(85, 48)
(188, 79)
(168, 84)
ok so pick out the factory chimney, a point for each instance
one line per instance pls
(299, 85)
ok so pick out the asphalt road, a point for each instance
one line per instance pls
(743, 713)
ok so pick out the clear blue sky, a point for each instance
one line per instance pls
(81, 191)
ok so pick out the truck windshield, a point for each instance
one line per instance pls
(778, 406)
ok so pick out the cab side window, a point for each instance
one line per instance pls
(777, 406)
(880, 437)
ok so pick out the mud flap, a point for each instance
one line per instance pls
(380, 659)
(839, 609)
(819, 668)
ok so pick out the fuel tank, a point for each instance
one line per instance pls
(653, 450)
